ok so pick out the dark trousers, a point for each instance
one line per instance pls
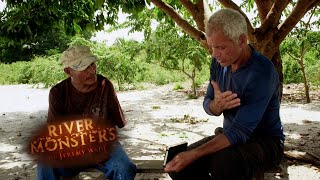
(236, 162)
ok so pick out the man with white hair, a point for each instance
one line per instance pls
(86, 94)
(244, 87)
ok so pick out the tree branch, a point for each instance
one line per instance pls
(166, 67)
(307, 25)
(184, 71)
(303, 158)
(294, 17)
(193, 32)
(196, 11)
(314, 4)
(230, 4)
(273, 17)
(263, 7)
(293, 56)
(178, 19)
(206, 10)
(200, 16)
(191, 8)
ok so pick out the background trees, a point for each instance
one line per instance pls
(27, 19)
(303, 52)
(47, 43)
(275, 19)
(23, 22)
(302, 42)
(29, 26)
(174, 50)
(120, 61)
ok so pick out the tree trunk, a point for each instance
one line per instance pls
(306, 87)
(277, 61)
(119, 84)
(193, 77)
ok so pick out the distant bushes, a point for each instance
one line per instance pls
(44, 70)
(293, 74)
(126, 64)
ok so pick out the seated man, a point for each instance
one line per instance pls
(244, 86)
(84, 93)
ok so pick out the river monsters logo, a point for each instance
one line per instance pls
(72, 143)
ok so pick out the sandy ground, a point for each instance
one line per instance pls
(156, 117)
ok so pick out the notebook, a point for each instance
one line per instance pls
(173, 150)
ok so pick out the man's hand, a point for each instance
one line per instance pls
(180, 161)
(222, 101)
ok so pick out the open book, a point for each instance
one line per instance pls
(173, 150)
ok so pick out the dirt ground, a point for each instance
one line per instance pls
(157, 117)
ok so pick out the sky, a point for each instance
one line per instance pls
(2, 4)
(109, 38)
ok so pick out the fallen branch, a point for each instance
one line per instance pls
(303, 157)
(314, 155)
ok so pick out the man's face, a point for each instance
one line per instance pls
(224, 50)
(86, 77)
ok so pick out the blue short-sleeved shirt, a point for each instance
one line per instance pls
(257, 85)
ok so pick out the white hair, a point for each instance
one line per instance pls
(230, 22)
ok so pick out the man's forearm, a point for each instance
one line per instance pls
(213, 108)
(214, 145)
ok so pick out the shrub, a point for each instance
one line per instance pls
(46, 70)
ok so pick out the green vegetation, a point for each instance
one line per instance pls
(30, 28)
(44, 70)
(293, 74)
(176, 51)
(188, 119)
(177, 86)
(300, 56)
(183, 135)
(38, 31)
(42, 28)
(126, 63)
(156, 107)
(163, 134)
